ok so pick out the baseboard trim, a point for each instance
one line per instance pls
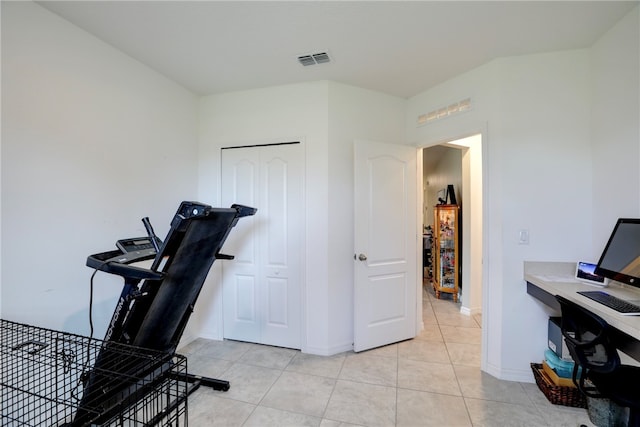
(330, 351)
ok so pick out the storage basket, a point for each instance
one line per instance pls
(558, 395)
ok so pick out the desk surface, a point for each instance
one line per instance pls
(545, 280)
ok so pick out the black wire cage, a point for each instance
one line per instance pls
(52, 378)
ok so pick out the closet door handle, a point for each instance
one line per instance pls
(362, 257)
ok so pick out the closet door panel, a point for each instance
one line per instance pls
(269, 249)
(241, 277)
(282, 246)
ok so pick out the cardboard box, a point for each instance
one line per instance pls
(556, 340)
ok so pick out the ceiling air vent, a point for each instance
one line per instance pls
(321, 58)
(314, 58)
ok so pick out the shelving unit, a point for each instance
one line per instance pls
(427, 254)
(445, 251)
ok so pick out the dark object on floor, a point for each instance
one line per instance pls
(587, 337)
(43, 372)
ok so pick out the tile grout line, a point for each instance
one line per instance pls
(455, 373)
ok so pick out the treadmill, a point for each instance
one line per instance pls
(154, 306)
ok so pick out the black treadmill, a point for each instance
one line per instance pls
(155, 304)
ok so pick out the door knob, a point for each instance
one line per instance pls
(362, 257)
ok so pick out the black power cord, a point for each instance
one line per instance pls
(86, 368)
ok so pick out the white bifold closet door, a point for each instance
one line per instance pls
(262, 285)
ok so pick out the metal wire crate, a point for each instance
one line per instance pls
(52, 378)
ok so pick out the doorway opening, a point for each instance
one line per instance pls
(458, 163)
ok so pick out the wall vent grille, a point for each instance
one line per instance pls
(314, 58)
(442, 112)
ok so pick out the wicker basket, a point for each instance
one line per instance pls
(558, 395)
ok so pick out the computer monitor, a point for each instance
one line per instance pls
(620, 260)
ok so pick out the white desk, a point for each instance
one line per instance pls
(545, 280)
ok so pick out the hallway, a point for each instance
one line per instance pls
(432, 380)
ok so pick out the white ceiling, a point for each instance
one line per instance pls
(398, 47)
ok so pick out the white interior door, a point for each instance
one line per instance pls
(385, 289)
(262, 286)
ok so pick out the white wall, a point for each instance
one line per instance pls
(326, 117)
(472, 221)
(92, 141)
(297, 112)
(615, 127)
(535, 113)
(354, 114)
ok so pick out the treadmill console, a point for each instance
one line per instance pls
(135, 244)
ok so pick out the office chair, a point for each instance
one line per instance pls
(588, 339)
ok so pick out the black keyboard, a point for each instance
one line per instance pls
(615, 303)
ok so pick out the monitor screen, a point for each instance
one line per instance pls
(620, 260)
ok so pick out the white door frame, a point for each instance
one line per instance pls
(486, 313)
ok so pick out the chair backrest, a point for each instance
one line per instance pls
(587, 337)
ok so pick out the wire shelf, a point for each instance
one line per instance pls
(52, 378)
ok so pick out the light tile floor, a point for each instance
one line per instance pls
(432, 380)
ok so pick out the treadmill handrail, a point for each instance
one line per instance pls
(109, 263)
